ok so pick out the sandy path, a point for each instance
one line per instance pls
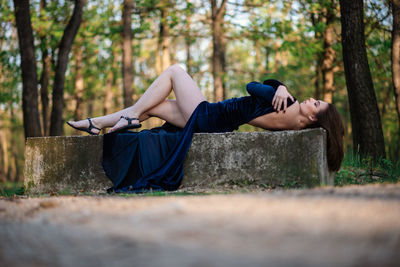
(352, 226)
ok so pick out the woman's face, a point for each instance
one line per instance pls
(311, 107)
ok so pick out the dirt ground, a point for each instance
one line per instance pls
(348, 226)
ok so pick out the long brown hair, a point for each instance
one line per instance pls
(330, 120)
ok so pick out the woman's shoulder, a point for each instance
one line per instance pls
(290, 117)
(280, 120)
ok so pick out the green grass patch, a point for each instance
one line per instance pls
(9, 189)
(364, 171)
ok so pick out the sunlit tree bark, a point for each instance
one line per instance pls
(163, 56)
(329, 55)
(218, 56)
(259, 66)
(4, 158)
(164, 40)
(127, 64)
(315, 20)
(109, 84)
(188, 43)
(396, 53)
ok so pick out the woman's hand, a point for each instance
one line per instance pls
(280, 98)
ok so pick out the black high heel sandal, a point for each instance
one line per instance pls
(130, 125)
(86, 129)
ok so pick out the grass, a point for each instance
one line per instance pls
(364, 171)
(9, 189)
(12, 189)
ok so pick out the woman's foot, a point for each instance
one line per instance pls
(125, 123)
(88, 125)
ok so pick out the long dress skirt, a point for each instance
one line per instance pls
(149, 159)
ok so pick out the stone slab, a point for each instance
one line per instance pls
(284, 158)
(64, 163)
(281, 158)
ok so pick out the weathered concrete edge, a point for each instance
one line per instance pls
(324, 179)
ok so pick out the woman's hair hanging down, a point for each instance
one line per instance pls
(331, 121)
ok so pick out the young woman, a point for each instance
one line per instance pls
(269, 106)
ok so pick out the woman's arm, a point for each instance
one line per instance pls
(274, 83)
(272, 91)
(265, 92)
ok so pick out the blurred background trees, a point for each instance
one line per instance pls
(121, 46)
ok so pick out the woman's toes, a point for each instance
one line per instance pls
(118, 125)
(73, 123)
(80, 123)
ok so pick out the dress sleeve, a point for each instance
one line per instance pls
(264, 91)
(273, 83)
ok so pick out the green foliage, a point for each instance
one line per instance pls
(363, 171)
(9, 189)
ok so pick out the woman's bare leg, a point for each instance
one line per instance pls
(168, 111)
(188, 96)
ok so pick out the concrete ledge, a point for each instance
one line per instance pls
(64, 163)
(289, 158)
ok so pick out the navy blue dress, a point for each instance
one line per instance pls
(153, 159)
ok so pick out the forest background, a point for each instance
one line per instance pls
(121, 47)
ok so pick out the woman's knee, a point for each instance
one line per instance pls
(175, 68)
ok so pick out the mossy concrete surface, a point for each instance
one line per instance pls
(285, 158)
(64, 164)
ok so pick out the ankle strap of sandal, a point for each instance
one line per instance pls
(129, 119)
(91, 126)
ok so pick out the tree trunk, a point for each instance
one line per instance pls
(44, 92)
(266, 59)
(329, 55)
(396, 54)
(367, 130)
(315, 20)
(28, 68)
(165, 42)
(45, 77)
(109, 84)
(3, 154)
(317, 81)
(78, 84)
(259, 68)
(108, 93)
(56, 127)
(218, 57)
(90, 105)
(188, 44)
(13, 170)
(127, 65)
(163, 57)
